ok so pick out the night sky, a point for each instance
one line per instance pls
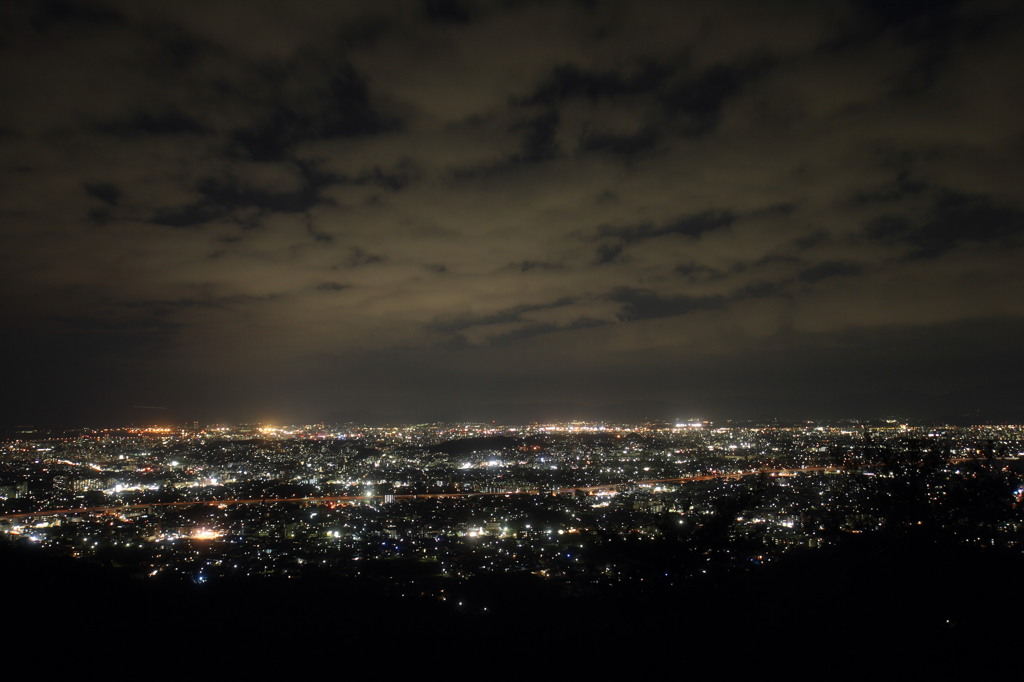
(399, 211)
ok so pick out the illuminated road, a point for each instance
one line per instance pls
(735, 475)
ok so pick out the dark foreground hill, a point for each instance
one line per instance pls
(880, 603)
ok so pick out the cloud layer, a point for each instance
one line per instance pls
(445, 209)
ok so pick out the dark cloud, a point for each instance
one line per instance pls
(358, 257)
(508, 315)
(686, 226)
(695, 106)
(169, 122)
(447, 11)
(627, 146)
(692, 226)
(528, 265)
(887, 15)
(393, 180)
(807, 241)
(568, 80)
(903, 187)
(104, 191)
(953, 219)
(51, 14)
(821, 271)
(308, 97)
(759, 289)
(640, 304)
(227, 195)
(538, 137)
(187, 216)
(609, 253)
(695, 271)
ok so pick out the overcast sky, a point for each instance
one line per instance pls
(403, 211)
